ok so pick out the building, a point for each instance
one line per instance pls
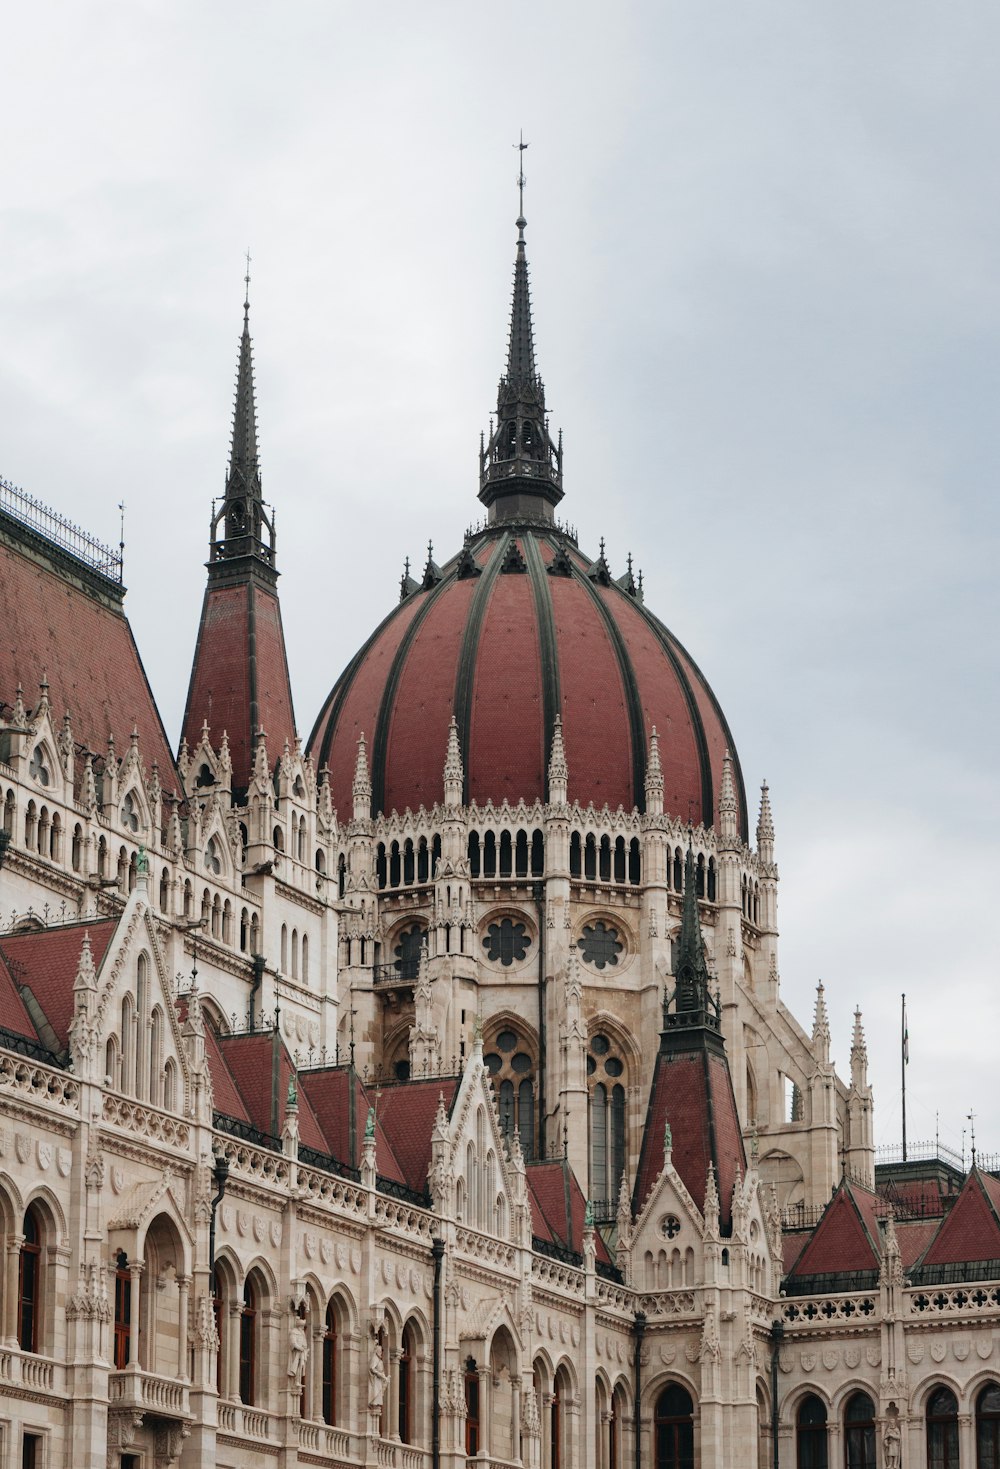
(425, 1096)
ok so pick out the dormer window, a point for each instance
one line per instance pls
(40, 765)
(130, 813)
(213, 857)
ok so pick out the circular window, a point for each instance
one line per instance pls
(493, 1063)
(670, 1227)
(613, 1066)
(600, 1045)
(506, 1040)
(506, 942)
(600, 944)
(521, 1063)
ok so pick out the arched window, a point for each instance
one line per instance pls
(305, 958)
(489, 854)
(8, 813)
(128, 1045)
(810, 1434)
(673, 1429)
(284, 947)
(248, 1344)
(678, 883)
(330, 1365)
(590, 857)
(423, 861)
(942, 1429)
(295, 953)
(164, 890)
(123, 1312)
(406, 1386)
(227, 922)
(575, 860)
(711, 879)
(506, 855)
(634, 862)
(988, 1427)
(394, 870)
(408, 863)
(170, 1085)
(521, 854)
(29, 1283)
(30, 825)
(537, 854)
(859, 1432)
(605, 1073)
(55, 839)
(380, 870)
(302, 840)
(474, 867)
(512, 1068)
(605, 853)
(471, 1407)
(155, 1056)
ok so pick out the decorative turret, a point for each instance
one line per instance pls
(859, 1056)
(728, 810)
(239, 679)
(558, 769)
(654, 777)
(453, 774)
(362, 787)
(821, 1029)
(765, 827)
(520, 468)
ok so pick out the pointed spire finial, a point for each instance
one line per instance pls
(246, 298)
(558, 768)
(520, 145)
(454, 774)
(654, 776)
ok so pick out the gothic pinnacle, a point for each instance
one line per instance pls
(654, 776)
(821, 1027)
(454, 775)
(558, 769)
(362, 787)
(765, 821)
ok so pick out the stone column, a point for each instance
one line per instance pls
(13, 1265)
(183, 1300)
(135, 1275)
(966, 1439)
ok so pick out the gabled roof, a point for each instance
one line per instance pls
(45, 962)
(261, 1069)
(406, 1113)
(558, 1207)
(970, 1231)
(846, 1240)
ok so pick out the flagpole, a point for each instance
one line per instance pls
(904, 1058)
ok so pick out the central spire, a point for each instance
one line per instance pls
(520, 469)
(241, 526)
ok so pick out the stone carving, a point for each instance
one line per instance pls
(298, 1349)
(377, 1378)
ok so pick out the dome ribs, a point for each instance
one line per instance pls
(595, 703)
(548, 651)
(632, 701)
(416, 723)
(466, 673)
(355, 694)
(507, 755)
(383, 724)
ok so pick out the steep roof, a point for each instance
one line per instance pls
(45, 962)
(558, 1207)
(970, 1231)
(846, 1240)
(57, 624)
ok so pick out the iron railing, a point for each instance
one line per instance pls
(402, 1191)
(555, 1251)
(23, 1045)
(65, 534)
(312, 1158)
(245, 1132)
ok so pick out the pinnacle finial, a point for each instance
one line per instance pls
(246, 282)
(520, 145)
(765, 821)
(558, 769)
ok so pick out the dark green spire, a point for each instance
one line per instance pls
(520, 469)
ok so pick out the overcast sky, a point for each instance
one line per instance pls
(763, 241)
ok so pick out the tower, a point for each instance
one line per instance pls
(239, 679)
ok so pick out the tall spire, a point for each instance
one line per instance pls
(241, 526)
(692, 971)
(520, 468)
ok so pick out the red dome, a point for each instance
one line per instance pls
(517, 629)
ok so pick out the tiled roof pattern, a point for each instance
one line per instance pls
(914, 1236)
(505, 652)
(971, 1228)
(13, 1016)
(422, 709)
(407, 1114)
(558, 1207)
(842, 1241)
(251, 1060)
(509, 756)
(86, 650)
(328, 1096)
(690, 1090)
(225, 1092)
(229, 666)
(47, 962)
(792, 1245)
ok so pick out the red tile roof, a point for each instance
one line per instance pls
(85, 648)
(47, 961)
(407, 1113)
(971, 1229)
(239, 678)
(693, 1091)
(846, 1239)
(558, 1207)
(13, 1016)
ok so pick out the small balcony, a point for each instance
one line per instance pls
(147, 1392)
